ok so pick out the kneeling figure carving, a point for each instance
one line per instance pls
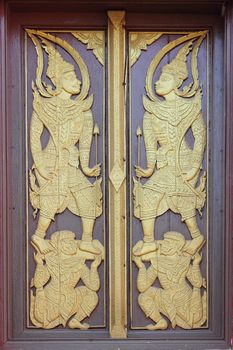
(176, 265)
(58, 300)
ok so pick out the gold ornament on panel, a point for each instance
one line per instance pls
(175, 182)
(59, 181)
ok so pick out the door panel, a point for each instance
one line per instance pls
(170, 213)
(52, 202)
(25, 180)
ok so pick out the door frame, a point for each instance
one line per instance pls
(206, 8)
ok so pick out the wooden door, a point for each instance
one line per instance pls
(115, 191)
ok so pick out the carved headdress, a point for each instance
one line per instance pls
(56, 64)
(177, 237)
(178, 66)
(58, 236)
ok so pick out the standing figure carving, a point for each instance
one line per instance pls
(172, 165)
(60, 171)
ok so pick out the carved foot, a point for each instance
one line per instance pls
(162, 324)
(77, 324)
(89, 247)
(146, 248)
(41, 244)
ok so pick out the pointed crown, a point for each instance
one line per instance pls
(178, 66)
(175, 236)
(56, 64)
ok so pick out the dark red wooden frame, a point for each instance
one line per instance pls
(188, 6)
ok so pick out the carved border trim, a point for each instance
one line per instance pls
(117, 187)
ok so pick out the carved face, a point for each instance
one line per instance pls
(69, 246)
(70, 82)
(165, 84)
(168, 246)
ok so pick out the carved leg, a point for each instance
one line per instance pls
(148, 238)
(87, 239)
(38, 237)
(193, 228)
(87, 301)
(197, 238)
(149, 302)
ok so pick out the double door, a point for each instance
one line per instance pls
(117, 179)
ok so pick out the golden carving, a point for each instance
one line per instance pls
(57, 182)
(174, 168)
(58, 179)
(94, 41)
(189, 90)
(140, 41)
(117, 176)
(57, 299)
(117, 186)
(175, 262)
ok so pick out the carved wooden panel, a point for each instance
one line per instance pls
(65, 135)
(171, 104)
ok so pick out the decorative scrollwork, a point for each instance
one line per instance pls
(140, 41)
(94, 41)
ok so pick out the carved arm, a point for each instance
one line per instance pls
(36, 130)
(146, 277)
(150, 140)
(41, 276)
(199, 133)
(85, 140)
(194, 273)
(90, 277)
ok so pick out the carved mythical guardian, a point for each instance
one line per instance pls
(57, 299)
(60, 169)
(172, 165)
(179, 298)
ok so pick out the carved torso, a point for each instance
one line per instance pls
(63, 119)
(172, 271)
(170, 122)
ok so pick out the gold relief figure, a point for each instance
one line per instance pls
(173, 166)
(58, 178)
(179, 297)
(57, 299)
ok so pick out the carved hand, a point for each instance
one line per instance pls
(197, 259)
(95, 171)
(138, 261)
(48, 175)
(38, 257)
(191, 174)
(140, 172)
(97, 261)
